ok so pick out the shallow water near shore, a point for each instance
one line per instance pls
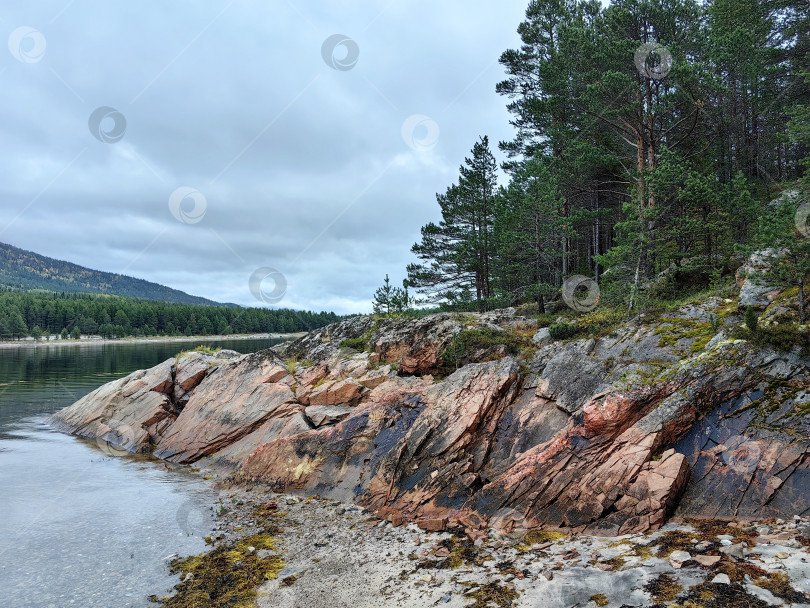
(80, 525)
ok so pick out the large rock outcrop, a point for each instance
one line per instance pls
(608, 434)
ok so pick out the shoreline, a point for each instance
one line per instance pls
(150, 339)
(331, 554)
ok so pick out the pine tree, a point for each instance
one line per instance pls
(382, 298)
(457, 253)
(529, 230)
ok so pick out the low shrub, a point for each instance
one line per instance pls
(562, 331)
(360, 343)
(751, 319)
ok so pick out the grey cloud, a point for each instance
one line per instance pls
(195, 101)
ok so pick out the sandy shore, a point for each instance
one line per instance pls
(155, 339)
(338, 555)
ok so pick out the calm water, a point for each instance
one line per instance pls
(79, 527)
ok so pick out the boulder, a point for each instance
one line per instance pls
(321, 415)
(128, 414)
(229, 403)
(754, 290)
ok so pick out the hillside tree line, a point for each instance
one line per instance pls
(35, 314)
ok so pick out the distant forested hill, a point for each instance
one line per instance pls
(37, 313)
(26, 271)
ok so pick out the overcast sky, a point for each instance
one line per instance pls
(285, 147)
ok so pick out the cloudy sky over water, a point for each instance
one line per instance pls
(190, 143)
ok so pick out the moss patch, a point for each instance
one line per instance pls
(599, 599)
(664, 588)
(675, 540)
(208, 350)
(709, 529)
(535, 537)
(777, 583)
(718, 595)
(228, 576)
(462, 552)
(493, 594)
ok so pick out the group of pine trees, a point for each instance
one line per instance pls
(71, 315)
(650, 135)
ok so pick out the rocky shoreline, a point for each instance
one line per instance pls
(469, 429)
(336, 555)
(606, 435)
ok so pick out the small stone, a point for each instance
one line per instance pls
(727, 537)
(548, 575)
(781, 555)
(735, 551)
(445, 598)
(725, 542)
(678, 558)
(432, 525)
(723, 579)
(426, 577)
(707, 560)
(472, 591)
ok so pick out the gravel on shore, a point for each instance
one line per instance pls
(340, 555)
